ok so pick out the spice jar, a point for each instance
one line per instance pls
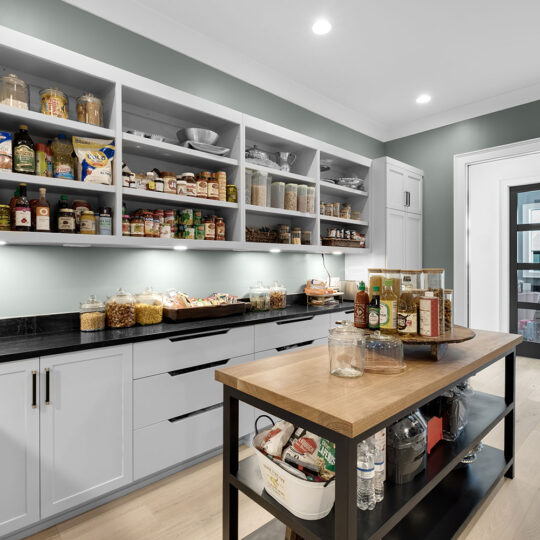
(202, 186)
(126, 226)
(137, 225)
(278, 296)
(212, 188)
(232, 193)
(66, 220)
(148, 307)
(54, 103)
(92, 315)
(296, 236)
(291, 196)
(148, 218)
(301, 200)
(311, 199)
(209, 228)
(120, 310)
(14, 92)
(259, 297)
(191, 184)
(220, 228)
(169, 182)
(221, 177)
(433, 280)
(90, 110)
(278, 195)
(87, 223)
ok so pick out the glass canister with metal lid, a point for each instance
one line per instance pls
(14, 92)
(90, 110)
(384, 354)
(259, 297)
(346, 350)
(92, 315)
(148, 307)
(54, 103)
(120, 310)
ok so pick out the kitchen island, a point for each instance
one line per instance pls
(298, 387)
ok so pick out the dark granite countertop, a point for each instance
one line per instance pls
(17, 346)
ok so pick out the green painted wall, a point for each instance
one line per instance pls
(434, 150)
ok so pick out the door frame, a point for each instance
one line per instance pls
(462, 164)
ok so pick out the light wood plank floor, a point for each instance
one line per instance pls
(187, 505)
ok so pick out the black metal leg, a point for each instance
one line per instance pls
(230, 465)
(509, 420)
(345, 524)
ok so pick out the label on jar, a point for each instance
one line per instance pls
(149, 227)
(63, 170)
(159, 185)
(66, 223)
(24, 159)
(126, 228)
(105, 225)
(88, 226)
(210, 231)
(165, 231)
(186, 217)
(220, 231)
(170, 184)
(137, 229)
(202, 189)
(406, 322)
(191, 189)
(43, 221)
(181, 187)
(388, 314)
(213, 190)
(22, 216)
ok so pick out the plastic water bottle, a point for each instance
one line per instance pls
(379, 472)
(365, 469)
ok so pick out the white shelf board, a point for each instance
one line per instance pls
(277, 212)
(55, 183)
(48, 126)
(331, 189)
(277, 173)
(141, 146)
(333, 219)
(155, 196)
(345, 250)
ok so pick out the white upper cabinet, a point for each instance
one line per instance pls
(413, 192)
(395, 188)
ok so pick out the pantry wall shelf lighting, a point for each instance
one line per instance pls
(275, 250)
(337, 252)
(321, 27)
(180, 248)
(3, 242)
(423, 98)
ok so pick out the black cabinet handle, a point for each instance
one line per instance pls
(34, 389)
(296, 320)
(183, 371)
(202, 334)
(47, 386)
(349, 311)
(295, 346)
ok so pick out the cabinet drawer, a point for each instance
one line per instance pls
(172, 394)
(299, 330)
(164, 355)
(347, 315)
(168, 443)
(290, 348)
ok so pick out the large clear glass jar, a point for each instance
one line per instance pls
(346, 350)
(410, 279)
(14, 92)
(375, 278)
(259, 297)
(148, 307)
(120, 309)
(258, 188)
(278, 195)
(92, 315)
(291, 197)
(433, 280)
(54, 103)
(278, 296)
(395, 276)
(311, 200)
(249, 176)
(301, 201)
(90, 110)
(384, 354)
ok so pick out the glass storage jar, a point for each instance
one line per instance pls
(278, 296)
(306, 238)
(148, 307)
(249, 176)
(384, 354)
(278, 195)
(433, 280)
(126, 225)
(92, 315)
(328, 209)
(258, 188)
(54, 103)
(410, 279)
(448, 310)
(202, 186)
(336, 206)
(375, 279)
(87, 222)
(14, 92)
(345, 211)
(259, 297)
(291, 197)
(120, 310)
(296, 236)
(269, 191)
(231, 193)
(346, 350)
(191, 184)
(311, 200)
(90, 110)
(395, 276)
(301, 200)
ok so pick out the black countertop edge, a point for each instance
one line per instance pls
(21, 347)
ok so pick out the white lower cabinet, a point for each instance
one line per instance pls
(19, 445)
(86, 426)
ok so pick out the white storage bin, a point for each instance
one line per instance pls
(306, 500)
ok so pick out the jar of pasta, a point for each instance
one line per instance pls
(148, 307)
(90, 110)
(375, 279)
(92, 315)
(291, 197)
(278, 195)
(296, 236)
(54, 103)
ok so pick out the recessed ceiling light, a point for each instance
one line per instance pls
(180, 248)
(423, 98)
(321, 27)
(337, 252)
(275, 250)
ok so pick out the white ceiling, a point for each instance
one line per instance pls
(473, 57)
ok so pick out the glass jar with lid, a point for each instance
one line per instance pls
(384, 354)
(433, 280)
(148, 307)
(278, 296)
(90, 110)
(410, 279)
(346, 350)
(259, 297)
(14, 92)
(395, 276)
(306, 238)
(259, 186)
(291, 197)
(87, 222)
(311, 200)
(448, 310)
(66, 221)
(191, 184)
(301, 200)
(278, 195)
(126, 225)
(54, 103)
(296, 236)
(120, 310)
(92, 315)
(375, 279)
(202, 185)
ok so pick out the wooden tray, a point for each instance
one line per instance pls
(204, 312)
(341, 242)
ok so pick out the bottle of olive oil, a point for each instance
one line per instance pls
(388, 310)
(24, 152)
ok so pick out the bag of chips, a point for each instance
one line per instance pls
(272, 441)
(95, 159)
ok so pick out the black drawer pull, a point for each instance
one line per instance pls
(349, 311)
(198, 368)
(195, 413)
(295, 346)
(34, 389)
(47, 386)
(296, 320)
(202, 334)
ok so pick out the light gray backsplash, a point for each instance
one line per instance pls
(43, 280)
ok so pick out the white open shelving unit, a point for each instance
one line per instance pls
(132, 102)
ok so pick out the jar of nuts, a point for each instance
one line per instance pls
(148, 307)
(92, 315)
(120, 310)
(278, 296)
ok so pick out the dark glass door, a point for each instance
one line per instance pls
(525, 267)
